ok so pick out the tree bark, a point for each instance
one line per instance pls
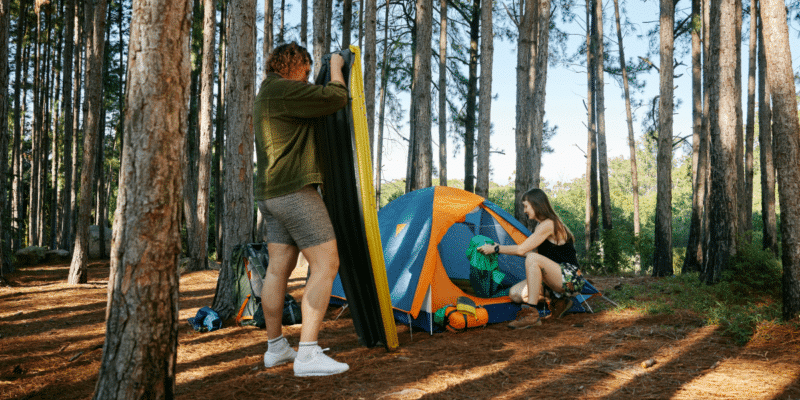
(66, 193)
(33, 197)
(370, 65)
(382, 107)
(219, 139)
(787, 155)
(443, 93)
(723, 213)
(422, 95)
(347, 20)
(538, 75)
(238, 185)
(591, 225)
(318, 40)
(600, 110)
(16, 183)
(191, 184)
(94, 83)
(694, 248)
(485, 101)
(140, 350)
(472, 92)
(768, 215)
(304, 23)
(740, 179)
(631, 140)
(80, 41)
(747, 198)
(4, 22)
(268, 31)
(523, 136)
(206, 131)
(662, 260)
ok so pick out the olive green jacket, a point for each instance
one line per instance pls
(285, 115)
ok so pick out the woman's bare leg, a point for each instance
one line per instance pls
(540, 269)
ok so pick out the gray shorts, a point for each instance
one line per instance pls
(298, 219)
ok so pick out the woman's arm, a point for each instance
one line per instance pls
(539, 235)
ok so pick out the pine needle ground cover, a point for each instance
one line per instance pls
(696, 342)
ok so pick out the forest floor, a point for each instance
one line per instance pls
(51, 337)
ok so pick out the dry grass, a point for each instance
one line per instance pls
(51, 335)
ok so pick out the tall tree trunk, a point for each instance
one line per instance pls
(705, 137)
(57, 126)
(694, 255)
(33, 208)
(723, 213)
(140, 350)
(370, 64)
(422, 95)
(16, 157)
(238, 185)
(662, 260)
(591, 234)
(768, 216)
(94, 84)
(281, 30)
(485, 100)
(631, 139)
(318, 40)
(600, 110)
(787, 156)
(382, 107)
(538, 75)
(4, 19)
(66, 193)
(472, 94)
(268, 31)
(747, 199)
(80, 41)
(347, 21)
(523, 136)
(16, 183)
(206, 131)
(304, 23)
(219, 159)
(740, 180)
(191, 152)
(411, 160)
(326, 44)
(443, 93)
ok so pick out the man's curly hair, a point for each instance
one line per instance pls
(286, 58)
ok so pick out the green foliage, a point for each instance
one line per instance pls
(736, 313)
(503, 197)
(753, 270)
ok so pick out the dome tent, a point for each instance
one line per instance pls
(425, 235)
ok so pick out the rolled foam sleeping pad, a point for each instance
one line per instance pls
(346, 164)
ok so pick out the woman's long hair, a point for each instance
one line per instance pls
(286, 58)
(538, 200)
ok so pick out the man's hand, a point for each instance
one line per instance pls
(337, 62)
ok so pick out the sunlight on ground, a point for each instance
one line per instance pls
(742, 379)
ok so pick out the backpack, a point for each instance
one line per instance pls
(250, 262)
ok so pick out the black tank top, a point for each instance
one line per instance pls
(564, 253)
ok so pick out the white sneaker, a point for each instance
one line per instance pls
(319, 365)
(272, 359)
